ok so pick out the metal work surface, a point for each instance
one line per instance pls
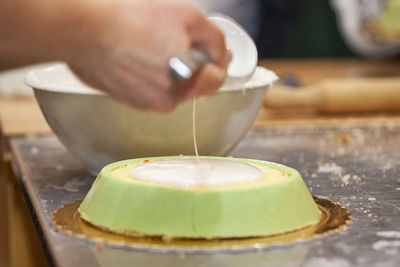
(358, 167)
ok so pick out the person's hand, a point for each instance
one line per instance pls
(121, 47)
(127, 52)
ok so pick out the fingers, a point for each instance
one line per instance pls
(154, 75)
(206, 81)
(131, 86)
(124, 85)
(143, 94)
(149, 94)
(208, 37)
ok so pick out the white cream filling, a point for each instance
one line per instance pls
(191, 172)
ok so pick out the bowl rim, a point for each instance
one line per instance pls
(266, 77)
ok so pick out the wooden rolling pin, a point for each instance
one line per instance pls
(339, 95)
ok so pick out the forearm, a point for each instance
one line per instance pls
(43, 30)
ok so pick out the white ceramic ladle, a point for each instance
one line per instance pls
(238, 42)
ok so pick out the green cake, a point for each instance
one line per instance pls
(277, 202)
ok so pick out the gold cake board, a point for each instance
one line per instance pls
(67, 219)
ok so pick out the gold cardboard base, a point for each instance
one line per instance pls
(68, 220)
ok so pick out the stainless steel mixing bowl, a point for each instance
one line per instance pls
(98, 130)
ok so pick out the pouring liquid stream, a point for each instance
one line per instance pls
(195, 172)
(194, 130)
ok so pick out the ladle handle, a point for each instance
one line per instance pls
(183, 67)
